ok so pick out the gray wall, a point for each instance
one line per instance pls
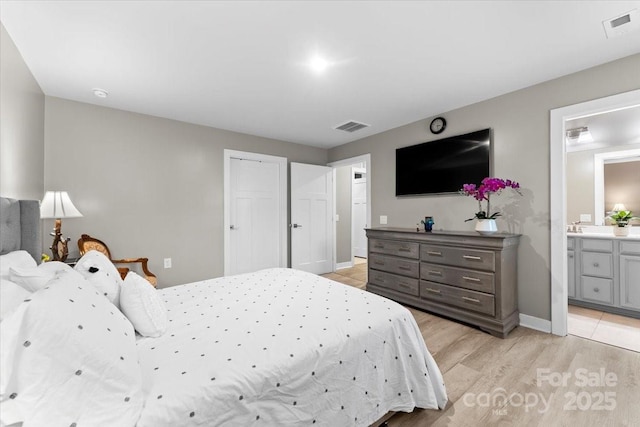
(21, 127)
(343, 209)
(148, 186)
(520, 121)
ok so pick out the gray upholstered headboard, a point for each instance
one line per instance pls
(20, 226)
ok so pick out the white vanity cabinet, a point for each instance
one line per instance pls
(604, 273)
(571, 267)
(630, 274)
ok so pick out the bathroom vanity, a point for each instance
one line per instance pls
(604, 272)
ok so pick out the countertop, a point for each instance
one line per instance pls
(604, 236)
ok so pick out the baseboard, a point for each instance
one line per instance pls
(343, 265)
(536, 323)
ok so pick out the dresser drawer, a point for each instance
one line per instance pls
(602, 245)
(630, 247)
(571, 243)
(405, 267)
(391, 281)
(394, 247)
(469, 279)
(597, 264)
(598, 290)
(475, 301)
(459, 257)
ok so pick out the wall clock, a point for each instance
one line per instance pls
(438, 125)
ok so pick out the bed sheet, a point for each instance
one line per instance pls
(284, 347)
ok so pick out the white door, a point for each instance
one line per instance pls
(254, 225)
(312, 218)
(359, 212)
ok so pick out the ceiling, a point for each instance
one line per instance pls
(243, 65)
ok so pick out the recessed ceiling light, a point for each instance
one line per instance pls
(318, 64)
(100, 93)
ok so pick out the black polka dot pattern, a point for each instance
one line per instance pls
(275, 347)
(63, 331)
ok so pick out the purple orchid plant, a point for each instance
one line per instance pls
(483, 192)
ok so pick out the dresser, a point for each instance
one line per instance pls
(461, 275)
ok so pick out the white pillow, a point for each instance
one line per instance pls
(69, 357)
(11, 296)
(15, 259)
(100, 271)
(35, 278)
(142, 305)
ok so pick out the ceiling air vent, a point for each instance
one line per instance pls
(351, 126)
(622, 24)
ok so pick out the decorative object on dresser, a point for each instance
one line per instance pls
(620, 220)
(87, 243)
(58, 205)
(604, 274)
(486, 221)
(428, 223)
(461, 275)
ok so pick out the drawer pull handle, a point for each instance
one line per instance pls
(596, 290)
(595, 264)
(400, 267)
(471, 279)
(471, 299)
(570, 256)
(378, 262)
(473, 257)
(435, 291)
(403, 285)
(404, 249)
(434, 272)
(434, 253)
(378, 246)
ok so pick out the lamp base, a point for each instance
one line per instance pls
(59, 247)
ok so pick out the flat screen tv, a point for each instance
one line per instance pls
(444, 165)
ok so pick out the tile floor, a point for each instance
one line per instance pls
(607, 328)
(603, 327)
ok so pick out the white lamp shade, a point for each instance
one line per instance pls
(57, 204)
(619, 207)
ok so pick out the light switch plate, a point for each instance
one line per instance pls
(383, 219)
(585, 217)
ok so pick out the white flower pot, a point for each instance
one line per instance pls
(486, 226)
(621, 231)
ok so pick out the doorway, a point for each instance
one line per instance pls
(255, 212)
(350, 238)
(558, 200)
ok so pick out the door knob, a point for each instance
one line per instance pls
(233, 227)
(297, 226)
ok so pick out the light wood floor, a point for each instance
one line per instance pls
(479, 368)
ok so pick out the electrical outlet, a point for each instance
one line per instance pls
(383, 219)
(167, 263)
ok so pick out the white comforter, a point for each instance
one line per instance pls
(283, 347)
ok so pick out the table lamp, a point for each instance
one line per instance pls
(618, 207)
(58, 205)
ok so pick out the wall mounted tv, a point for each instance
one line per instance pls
(444, 165)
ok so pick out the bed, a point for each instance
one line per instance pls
(274, 347)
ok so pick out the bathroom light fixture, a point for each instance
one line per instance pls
(100, 93)
(579, 135)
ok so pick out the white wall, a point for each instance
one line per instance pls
(21, 126)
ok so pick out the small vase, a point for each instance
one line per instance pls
(621, 231)
(486, 226)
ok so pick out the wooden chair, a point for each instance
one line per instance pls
(87, 243)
